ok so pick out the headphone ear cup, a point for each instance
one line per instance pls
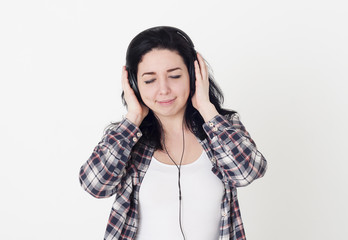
(192, 74)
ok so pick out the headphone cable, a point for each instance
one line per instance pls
(179, 175)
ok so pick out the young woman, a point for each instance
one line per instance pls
(174, 162)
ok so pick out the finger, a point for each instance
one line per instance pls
(123, 77)
(125, 81)
(197, 71)
(128, 91)
(203, 66)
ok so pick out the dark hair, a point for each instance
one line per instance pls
(173, 39)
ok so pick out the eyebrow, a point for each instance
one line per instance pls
(169, 70)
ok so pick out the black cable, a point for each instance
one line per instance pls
(179, 175)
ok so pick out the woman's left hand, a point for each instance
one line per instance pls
(200, 100)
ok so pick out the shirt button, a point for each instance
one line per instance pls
(135, 139)
(211, 124)
(139, 134)
(214, 129)
(224, 214)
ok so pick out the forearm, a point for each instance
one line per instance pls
(103, 171)
(237, 155)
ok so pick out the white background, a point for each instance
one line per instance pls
(281, 64)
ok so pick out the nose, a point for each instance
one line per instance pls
(164, 87)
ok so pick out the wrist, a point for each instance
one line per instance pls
(208, 112)
(134, 118)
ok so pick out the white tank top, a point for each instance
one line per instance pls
(202, 193)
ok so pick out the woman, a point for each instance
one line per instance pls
(174, 162)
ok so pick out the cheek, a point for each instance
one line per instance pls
(187, 86)
(145, 93)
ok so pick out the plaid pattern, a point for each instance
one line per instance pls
(118, 164)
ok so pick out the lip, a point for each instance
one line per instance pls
(166, 102)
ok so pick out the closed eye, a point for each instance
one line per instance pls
(175, 76)
(149, 81)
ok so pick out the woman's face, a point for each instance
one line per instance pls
(164, 82)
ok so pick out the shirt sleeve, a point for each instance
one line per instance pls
(102, 172)
(236, 153)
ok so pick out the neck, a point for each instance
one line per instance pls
(172, 125)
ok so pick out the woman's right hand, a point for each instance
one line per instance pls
(136, 111)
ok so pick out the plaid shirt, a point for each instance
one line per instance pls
(118, 165)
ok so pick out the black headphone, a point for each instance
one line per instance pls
(191, 67)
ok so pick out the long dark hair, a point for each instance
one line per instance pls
(173, 39)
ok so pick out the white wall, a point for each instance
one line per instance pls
(282, 65)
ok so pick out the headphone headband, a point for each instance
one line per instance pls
(186, 37)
